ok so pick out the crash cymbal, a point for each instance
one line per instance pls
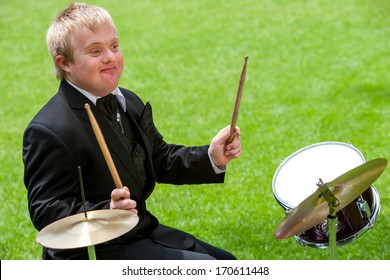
(78, 231)
(315, 208)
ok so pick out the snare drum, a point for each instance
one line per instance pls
(296, 179)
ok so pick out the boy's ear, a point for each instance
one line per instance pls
(62, 62)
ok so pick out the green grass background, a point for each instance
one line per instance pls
(318, 71)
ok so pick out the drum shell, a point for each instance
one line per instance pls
(351, 223)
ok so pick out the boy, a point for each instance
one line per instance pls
(84, 45)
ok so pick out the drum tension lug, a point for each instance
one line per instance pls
(364, 208)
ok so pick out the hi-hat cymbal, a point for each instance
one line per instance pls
(315, 208)
(77, 231)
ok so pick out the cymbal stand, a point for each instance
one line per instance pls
(91, 249)
(91, 253)
(333, 203)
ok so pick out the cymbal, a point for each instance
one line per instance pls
(315, 208)
(77, 231)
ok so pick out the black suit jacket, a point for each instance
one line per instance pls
(60, 138)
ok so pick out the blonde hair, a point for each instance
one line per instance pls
(76, 15)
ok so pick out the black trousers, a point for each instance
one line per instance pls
(155, 251)
(145, 249)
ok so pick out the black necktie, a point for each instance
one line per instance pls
(109, 106)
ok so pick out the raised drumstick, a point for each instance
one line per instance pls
(238, 101)
(103, 147)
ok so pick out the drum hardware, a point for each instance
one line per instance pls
(324, 227)
(332, 223)
(329, 199)
(364, 208)
(294, 181)
(332, 202)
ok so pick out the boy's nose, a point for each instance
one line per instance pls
(108, 56)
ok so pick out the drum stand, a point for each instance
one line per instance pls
(333, 203)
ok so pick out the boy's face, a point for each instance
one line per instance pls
(97, 60)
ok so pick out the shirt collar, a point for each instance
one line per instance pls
(93, 98)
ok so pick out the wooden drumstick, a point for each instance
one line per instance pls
(103, 147)
(238, 101)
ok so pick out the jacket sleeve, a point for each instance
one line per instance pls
(50, 177)
(185, 165)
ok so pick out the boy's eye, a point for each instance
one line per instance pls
(95, 52)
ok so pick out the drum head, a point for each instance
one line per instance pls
(298, 175)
